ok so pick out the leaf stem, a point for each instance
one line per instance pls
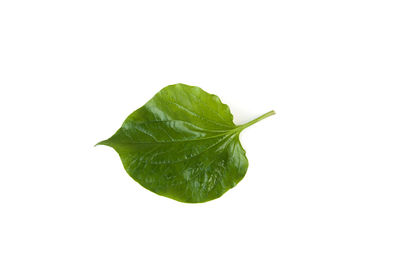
(241, 127)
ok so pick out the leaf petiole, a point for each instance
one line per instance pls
(241, 127)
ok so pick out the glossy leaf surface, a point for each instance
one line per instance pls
(182, 144)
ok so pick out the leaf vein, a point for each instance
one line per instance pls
(196, 114)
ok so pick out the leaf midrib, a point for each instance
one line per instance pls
(228, 132)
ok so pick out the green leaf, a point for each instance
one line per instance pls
(183, 144)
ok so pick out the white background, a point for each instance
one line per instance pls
(323, 182)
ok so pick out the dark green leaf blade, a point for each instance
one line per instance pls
(182, 144)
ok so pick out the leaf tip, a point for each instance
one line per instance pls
(104, 142)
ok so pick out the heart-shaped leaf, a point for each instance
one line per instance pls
(183, 144)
